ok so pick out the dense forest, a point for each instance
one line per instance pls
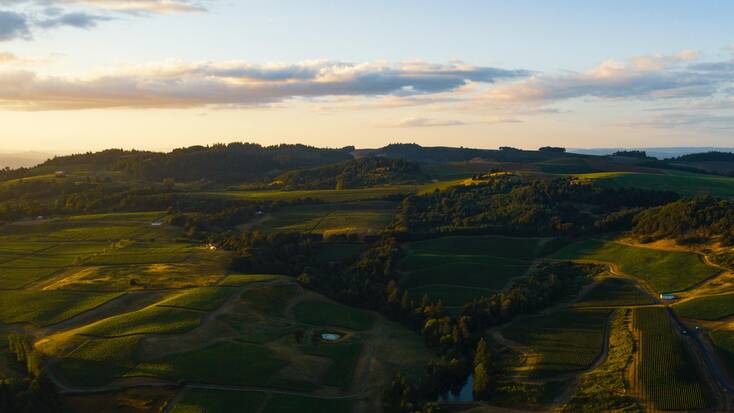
(234, 162)
(506, 205)
(688, 220)
(357, 173)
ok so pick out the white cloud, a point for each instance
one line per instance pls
(178, 84)
(643, 77)
(421, 122)
(143, 6)
(6, 58)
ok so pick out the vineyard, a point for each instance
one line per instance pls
(666, 373)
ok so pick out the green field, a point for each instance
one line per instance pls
(236, 280)
(723, 340)
(283, 403)
(218, 401)
(323, 313)
(667, 271)
(344, 357)
(98, 361)
(202, 298)
(685, 183)
(325, 195)
(448, 268)
(330, 219)
(667, 372)
(43, 308)
(564, 341)
(225, 363)
(270, 299)
(150, 320)
(711, 308)
(614, 292)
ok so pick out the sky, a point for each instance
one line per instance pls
(78, 75)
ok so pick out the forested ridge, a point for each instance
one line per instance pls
(357, 173)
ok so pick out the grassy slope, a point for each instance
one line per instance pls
(219, 401)
(667, 270)
(713, 307)
(329, 314)
(150, 320)
(224, 363)
(43, 308)
(685, 183)
(614, 292)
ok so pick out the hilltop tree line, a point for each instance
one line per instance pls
(505, 205)
(688, 220)
(357, 173)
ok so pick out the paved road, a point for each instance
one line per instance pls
(711, 364)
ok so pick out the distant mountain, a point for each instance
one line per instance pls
(235, 162)
(659, 152)
(417, 153)
(22, 159)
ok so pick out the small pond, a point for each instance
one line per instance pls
(330, 336)
(463, 394)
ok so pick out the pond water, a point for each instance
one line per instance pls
(464, 394)
(330, 336)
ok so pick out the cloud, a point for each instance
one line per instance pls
(13, 26)
(644, 77)
(677, 120)
(143, 6)
(421, 122)
(26, 15)
(177, 84)
(78, 20)
(123, 6)
(6, 57)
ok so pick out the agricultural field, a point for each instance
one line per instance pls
(213, 365)
(666, 372)
(666, 271)
(324, 195)
(712, 307)
(365, 217)
(150, 320)
(459, 269)
(685, 183)
(605, 388)
(98, 361)
(270, 299)
(43, 308)
(612, 291)
(565, 341)
(723, 340)
(220, 401)
(331, 314)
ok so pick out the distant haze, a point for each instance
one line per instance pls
(22, 159)
(660, 153)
